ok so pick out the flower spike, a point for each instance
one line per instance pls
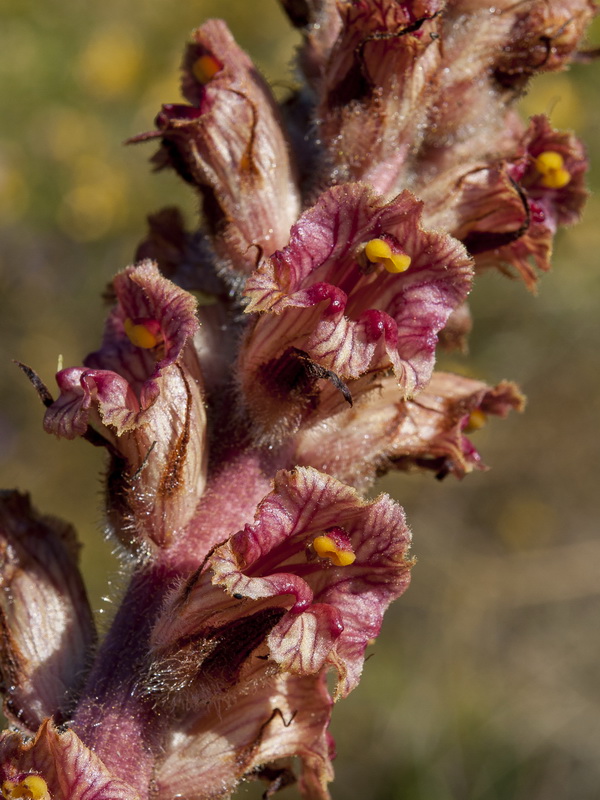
(340, 234)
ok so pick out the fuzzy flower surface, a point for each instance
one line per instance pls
(257, 372)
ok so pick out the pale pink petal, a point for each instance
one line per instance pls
(320, 613)
(383, 432)
(318, 298)
(70, 770)
(277, 717)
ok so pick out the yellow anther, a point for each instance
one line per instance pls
(144, 335)
(477, 419)
(549, 161)
(556, 179)
(205, 68)
(378, 251)
(325, 547)
(33, 787)
(397, 263)
(550, 165)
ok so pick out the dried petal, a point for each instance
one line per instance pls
(427, 432)
(46, 625)
(230, 144)
(544, 37)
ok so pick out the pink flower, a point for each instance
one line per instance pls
(142, 392)
(331, 308)
(275, 718)
(507, 211)
(230, 144)
(306, 584)
(56, 766)
(427, 432)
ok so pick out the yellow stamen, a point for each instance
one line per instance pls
(325, 547)
(378, 251)
(398, 262)
(477, 419)
(205, 68)
(141, 334)
(550, 165)
(556, 179)
(33, 787)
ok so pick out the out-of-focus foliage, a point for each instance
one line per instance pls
(484, 685)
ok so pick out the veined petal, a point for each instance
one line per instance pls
(274, 583)
(277, 717)
(350, 316)
(143, 391)
(230, 144)
(47, 629)
(428, 432)
(61, 763)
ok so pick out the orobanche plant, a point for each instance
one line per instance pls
(254, 377)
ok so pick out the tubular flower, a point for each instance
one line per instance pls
(427, 432)
(506, 212)
(374, 93)
(333, 304)
(278, 586)
(229, 143)
(142, 392)
(407, 90)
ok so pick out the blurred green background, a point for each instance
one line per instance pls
(484, 684)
